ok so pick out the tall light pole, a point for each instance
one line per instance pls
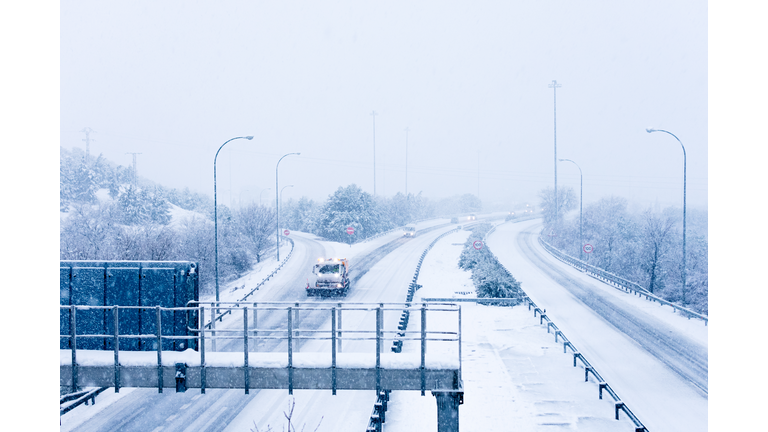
(374, 114)
(216, 215)
(649, 130)
(277, 205)
(281, 194)
(555, 86)
(260, 194)
(406, 162)
(581, 206)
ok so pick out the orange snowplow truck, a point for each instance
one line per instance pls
(331, 277)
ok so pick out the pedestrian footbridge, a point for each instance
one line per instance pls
(278, 346)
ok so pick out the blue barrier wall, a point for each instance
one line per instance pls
(128, 283)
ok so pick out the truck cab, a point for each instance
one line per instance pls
(331, 277)
(409, 230)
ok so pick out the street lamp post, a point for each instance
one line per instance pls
(581, 206)
(260, 194)
(406, 162)
(277, 204)
(216, 216)
(649, 130)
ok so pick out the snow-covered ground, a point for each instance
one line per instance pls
(515, 376)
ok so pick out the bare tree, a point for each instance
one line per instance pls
(656, 243)
(257, 224)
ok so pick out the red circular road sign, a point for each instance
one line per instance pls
(588, 248)
(350, 230)
(477, 244)
(286, 232)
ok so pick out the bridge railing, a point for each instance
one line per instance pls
(446, 329)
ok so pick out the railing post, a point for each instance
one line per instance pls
(117, 347)
(290, 351)
(333, 351)
(73, 329)
(159, 352)
(202, 349)
(255, 327)
(423, 347)
(378, 350)
(214, 312)
(245, 350)
(340, 307)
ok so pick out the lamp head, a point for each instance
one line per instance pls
(649, 130)
(249, 137)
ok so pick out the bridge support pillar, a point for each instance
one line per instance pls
(448, 402)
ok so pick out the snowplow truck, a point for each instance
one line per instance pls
(331, 277)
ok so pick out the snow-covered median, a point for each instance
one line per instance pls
(515, 376)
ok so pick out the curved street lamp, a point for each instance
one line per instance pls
(216, 215)
(581, 206)
(649, 130)
(277, 203)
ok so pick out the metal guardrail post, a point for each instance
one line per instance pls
(290, 350)
(298, 322)
(159, 352)
(245, 350)
(423, 346)
(117, 348)
(378, 350)
(214, 312)
(340, 307)
(73, 339)
(333, 351)
(202, 349)
(255, 325)
(459, 331)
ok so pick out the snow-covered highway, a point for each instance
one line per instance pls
(655, 360)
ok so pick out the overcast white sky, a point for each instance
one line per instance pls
(173, 80)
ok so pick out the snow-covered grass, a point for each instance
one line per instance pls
(515, 376)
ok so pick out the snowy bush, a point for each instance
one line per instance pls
(491, 280)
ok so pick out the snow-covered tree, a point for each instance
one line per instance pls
(257, 224)
(350, 206)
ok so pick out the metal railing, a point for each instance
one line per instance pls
(619, 405)
(617, 281)
(259, 285)
(291, 334)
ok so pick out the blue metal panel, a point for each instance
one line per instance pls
(64, 300)
(88, 289)
(157, 289)
(123, 290)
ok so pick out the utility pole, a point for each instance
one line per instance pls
(406, 162)
(478, 174)
(87, 140)
(135, 173)
(373, 113)
(555, 86)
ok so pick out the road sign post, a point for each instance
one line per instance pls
(286, 232)
(477, 245)
(588, 248)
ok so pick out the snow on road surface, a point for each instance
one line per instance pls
(515, 376)
(653, 358)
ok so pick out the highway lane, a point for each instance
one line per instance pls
(655, 365)
(382, 275)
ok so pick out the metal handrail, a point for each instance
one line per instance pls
(616, 281)
(291, 333)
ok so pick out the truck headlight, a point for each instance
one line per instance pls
(338, 285)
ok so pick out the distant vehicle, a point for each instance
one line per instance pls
(510, 216)
(409, 230)
(455, 220)
(472, 217)
(331, 277)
